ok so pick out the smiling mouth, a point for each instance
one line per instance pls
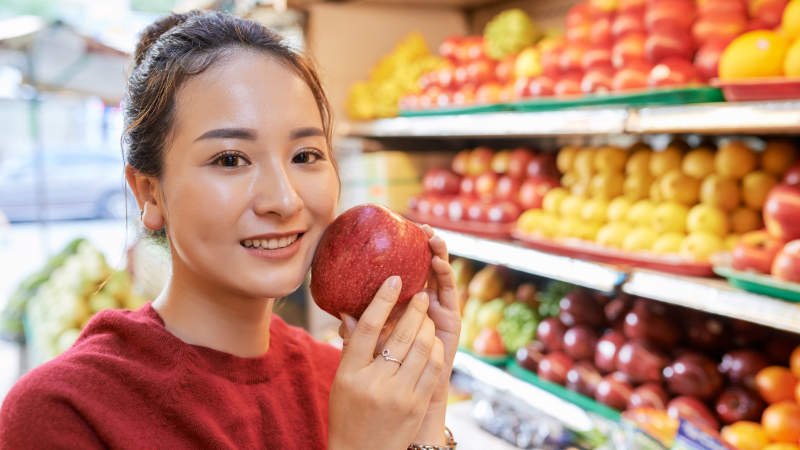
(272, 243)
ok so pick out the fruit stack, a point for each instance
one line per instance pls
(691, 202)
(631, 353)
(486, 186)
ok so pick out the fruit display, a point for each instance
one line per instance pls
(682, 202)
(359, 250)
(484, 186)
(394, 76)
(79, 287)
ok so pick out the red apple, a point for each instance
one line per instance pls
(460, 163)
(550, 59)
(758, 24)
(465, 95)
(641, 361)
(693, 410)
(460, 75)
(518, 162)
(568, 85)
(786, 266)
(605, 356)
(781, 212)
(530, 356)
(478, 211)
(507, 188)
(467, 188)
(597, 56)
(424, 206)
(554, 367)
(755, 251)
(693, 374)
(580, 342)
(448, 47)
(542, 86)
(550, 332)
(572, 57)
(628, 50)
(473, 48)
(600, 32)
(439, 207)
(583, 378)
(543, 165)
(718, 7)
(647, 321)
(532, 192)
(649, 395)
(441, 182)
(741, 366)
(705, 332)
(578, 307)
(627, 6)
(616, 309)
(579, 35)
(628, 23)
(661, 45)
(678, 14)
(521, 90)
(792, 176)
(738, 403)
(488, 93)
(503, 212)
(480, 71)
(597, 80)
(673, 72)
(457, 209)
(486, 185)
(445, 77)
(613, 392)
(504, 70)
(706, 60)
(480, 161)
(631, 77)
(723, 26)
(489, 343)
(361, 249)
(579, 14)
(769, 12)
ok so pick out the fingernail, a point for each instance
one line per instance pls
(394, 282)
(349, 322)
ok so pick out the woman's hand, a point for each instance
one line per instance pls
(376, 402)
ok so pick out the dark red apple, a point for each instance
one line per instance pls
(503, 212)
(706, 60)
(649, 395)
(605, 356)
(597, 80)
(792, 176)
(613, 392)
(578, 307)
(781, 212)
(507, 188)
(786, 266)
(779, 347)
(532, 192)
(738, 403)
(756, 251)
(580, 342)
(748, 333)
(530, 356)
(550, 332)
(616, 309)
(706, 332)
(693, 410)
(646, 321)
(641, 361)
(554, 367)
(543, 165)
(693, 374)
(668, 44)
(361, 249)
(542, 86)
(441, 182)
(583, 378)
(518, 162)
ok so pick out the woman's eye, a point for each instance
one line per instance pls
(306, 157)
(230, 160)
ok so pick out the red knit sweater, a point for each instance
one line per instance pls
(129, 383)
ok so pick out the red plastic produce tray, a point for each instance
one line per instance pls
(586, 250)
(759, 89)
(490, 230)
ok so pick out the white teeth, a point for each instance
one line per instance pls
(248, 243)
(271, 244)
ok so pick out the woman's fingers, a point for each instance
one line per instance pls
(418, 354)
(361, 345)
(431, 375)
(405, 332)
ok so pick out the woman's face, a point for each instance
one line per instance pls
(248, 184)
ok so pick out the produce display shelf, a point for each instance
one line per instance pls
(714, 296)
(583, 273)
(571, 415)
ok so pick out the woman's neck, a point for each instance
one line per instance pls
(198, 314)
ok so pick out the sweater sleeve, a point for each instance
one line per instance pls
(35, 416)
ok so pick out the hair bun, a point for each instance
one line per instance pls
(153, 31)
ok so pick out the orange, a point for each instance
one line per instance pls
(776, 384)
(777, 157)
(790, 24)
(745, 435)
(781, 422)
(794, 361)
(791, 63)
(755, 54)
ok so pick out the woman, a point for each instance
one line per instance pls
(228, 151)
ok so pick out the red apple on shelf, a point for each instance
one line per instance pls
(613, 392)
(460, 163)
(465, 95)
(550, 59)
(480, 161)
(413, 203)
(693, 374)
(600, 32)
(641, 361)
(693, 410)
(758, 24)
(504, 70)
(662, 45)
(578, 14)
(448, 47)
(375, 243)
(779, 347)
(719, 7)
(786, 266)
(648, 322)
(578, 307)
(706, 60)
(507, 188)
(518, 162)
(616, 309)
(480, 71)
(489, 343)
(568, 85)
(580, 342)
(792, 176)
(769, 12)
(541, 86)
(677, 14)
(719, 27)
(755, 251)
(460, 75)
(457, 209)
(503, 212)
(705, 332)
(543, 165)
(649, 395)
(500, 162)
(488, 93)
(597, 80)
(781, 212)
(478, 212)
(602, 8)
(579, 35)
(550, 332)
(521, 88)
(529, 356)
(737, 403)
(583, 378)
(467, 187)
(673, 72)
(628, 49)
(748, 334)
(597, 56)
(439, 207)
(572, 57)
(631, 6)
(633, 76)
(445, 77)
(486, 185)
(554, 367)
(532, 192)
(441, 182)
(424, 206)
(605, 356)
(628, 23)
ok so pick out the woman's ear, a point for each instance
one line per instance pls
(146, 190)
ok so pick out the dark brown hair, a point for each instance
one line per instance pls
(179, 46)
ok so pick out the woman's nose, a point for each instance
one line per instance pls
(276, 194)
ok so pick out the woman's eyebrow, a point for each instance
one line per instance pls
(229, 133)
(306, 132)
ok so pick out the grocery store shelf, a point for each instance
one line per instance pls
(714, 296)
(570, 415)
(585, 121)
(718, 118)
(575, 271)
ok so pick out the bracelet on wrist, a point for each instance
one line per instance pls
(450, 443)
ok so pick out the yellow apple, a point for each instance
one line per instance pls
(584, 162)
(565, 159)
(610, 159)
(668, 159)
(637, 186)
(639, 239)
(607, 185)
(698, 163)
(618, 209)
(734, 160)
(668, 243)
(552, 200)
(530, 221)
(588, 231)
(670, 216)
(571, 206)
(655, 194)
(744, 219)
(641, 213)
(707, 218)
(700, 245)
(731, 241)
(595, 211)
(678, 187)
(528, 63)
(755, 186)
(720, 192)
(778, 156)
(570, 227)
(569, 179)
(639, 162)
(612, 234)
(582, 188)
